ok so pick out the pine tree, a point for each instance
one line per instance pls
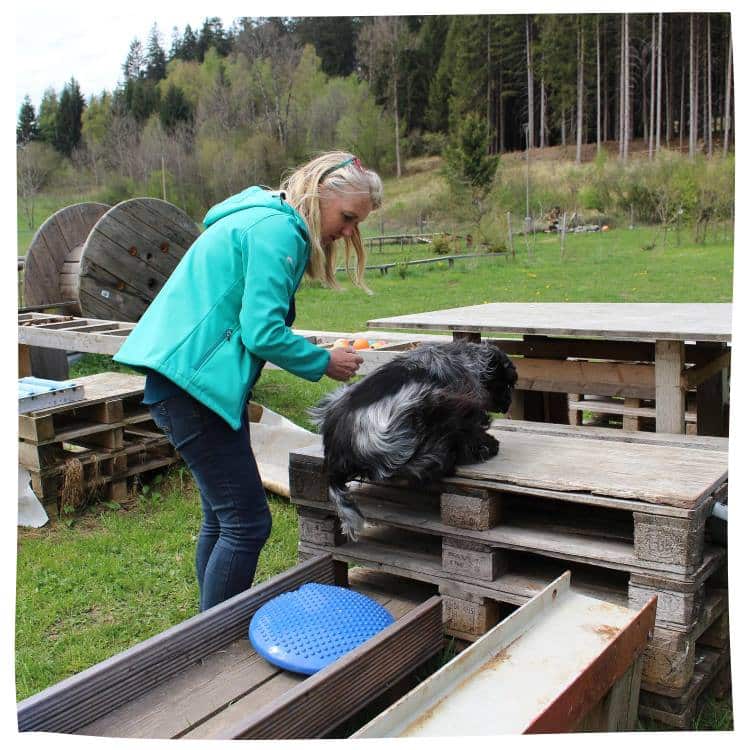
(134, 66)
(156, 59)
(68, 121)
(468, 168)
(27, 128)
(212, 34)
(48, 116)
(334, 39)
(185, 47)
(174, 108)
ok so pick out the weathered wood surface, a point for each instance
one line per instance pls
(698, 442)
(50, 247)
(671, 654)
(584, 546)
(129, 254)
(649, 472)
(653, 474)
(86, 697)
(670, 321)
(227, 687)
(69, 333)
(680, 712)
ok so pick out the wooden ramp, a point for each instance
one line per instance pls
(202, 679)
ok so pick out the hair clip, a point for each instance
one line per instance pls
(351, 160)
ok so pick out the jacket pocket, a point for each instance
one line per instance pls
(225, 337)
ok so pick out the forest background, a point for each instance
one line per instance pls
(223, 108)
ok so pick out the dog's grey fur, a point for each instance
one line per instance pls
(415, 417)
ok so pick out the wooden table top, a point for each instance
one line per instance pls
(643, 320)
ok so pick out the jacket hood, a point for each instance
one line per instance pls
(253, 197)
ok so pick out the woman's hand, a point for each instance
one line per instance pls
(343, 364)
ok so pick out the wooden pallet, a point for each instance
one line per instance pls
(105, 474)
(554, 498)
(109, 434)
(635, 506)
(202, 679)
(711, 671)
(473, 606)
(631, 414)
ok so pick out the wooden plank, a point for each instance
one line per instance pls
(335, 693)
(696, 375)
(82, 699)
(670, 393)
(601, 378)
(666, 321)
(629, 409)
(699, 442)
(24, 361)
(514, 535)
(657, 474)
(712, 405)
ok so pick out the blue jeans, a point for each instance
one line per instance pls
(236, 519)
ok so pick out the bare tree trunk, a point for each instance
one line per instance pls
(605, 94)
(709, 108)
(598, 90)
(728, 96)
(621, 136)
(395, 117)
(562, 127)
(652, 106)
(542, 115)
(692, 86)
(658, 86)
(529, 83)
(579, 103)
(626, 118)
(644, 97)
(682, 105)
(501, 112)
(490, 138)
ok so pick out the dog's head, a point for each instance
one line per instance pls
(501, 378)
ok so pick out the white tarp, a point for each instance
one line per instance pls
(30, 511)
(272, 438)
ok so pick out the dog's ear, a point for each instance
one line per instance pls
(504, 377)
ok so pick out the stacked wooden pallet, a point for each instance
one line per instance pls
(625, 512)
(94, 446)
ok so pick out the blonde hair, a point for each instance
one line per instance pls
(341, 172)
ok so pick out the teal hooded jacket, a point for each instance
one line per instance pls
(220, 315)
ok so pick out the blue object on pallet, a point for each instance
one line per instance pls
(308, 629)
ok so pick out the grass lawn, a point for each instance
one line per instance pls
(91, 586)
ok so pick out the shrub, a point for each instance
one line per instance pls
(441, 245)
(119, 188)
(402, 268)
(433, 144)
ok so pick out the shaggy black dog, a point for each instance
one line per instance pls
(415, 417)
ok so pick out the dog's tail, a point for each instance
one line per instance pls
(352, 520)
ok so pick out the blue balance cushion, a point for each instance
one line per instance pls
(308, 629)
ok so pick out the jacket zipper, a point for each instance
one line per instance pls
(226, 336)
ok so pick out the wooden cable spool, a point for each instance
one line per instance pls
(110, 261)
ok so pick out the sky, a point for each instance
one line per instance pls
(53, 46)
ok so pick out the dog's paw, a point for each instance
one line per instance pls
(489, 448)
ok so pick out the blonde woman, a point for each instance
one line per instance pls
(228, 308)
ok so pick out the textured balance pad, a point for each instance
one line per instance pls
(308, 629)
